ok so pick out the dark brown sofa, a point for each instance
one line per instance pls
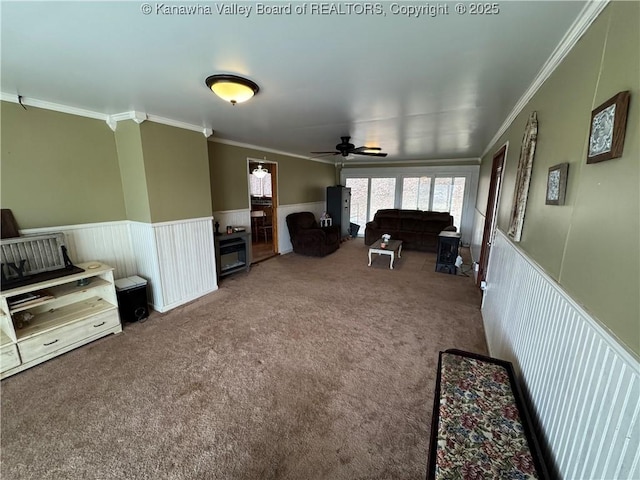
(308, 238)
(417, 229)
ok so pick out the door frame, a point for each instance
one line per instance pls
(490, 219)
(274, 195)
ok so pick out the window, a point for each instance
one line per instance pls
(448, 195)
(383, 194)
(359, 201)
(415, 193)
(368, 195)
(443, 189)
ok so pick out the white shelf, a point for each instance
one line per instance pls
(4, 339)
(47, 321)
(61, 320)
(60, 291)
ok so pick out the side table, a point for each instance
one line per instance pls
(326, 222)
(448, 245)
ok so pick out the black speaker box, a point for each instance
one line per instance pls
(132, 303)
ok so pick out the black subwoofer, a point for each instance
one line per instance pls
(132, 299)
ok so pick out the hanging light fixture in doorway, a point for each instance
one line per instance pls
(260, 172)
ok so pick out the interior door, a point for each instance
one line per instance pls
(492, 211)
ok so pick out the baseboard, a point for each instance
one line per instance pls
(166, 308)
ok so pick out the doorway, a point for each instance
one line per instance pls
(492, 213)
(263, 201)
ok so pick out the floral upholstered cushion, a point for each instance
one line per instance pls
(480, 433)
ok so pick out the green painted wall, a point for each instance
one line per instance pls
(134, 181)
(58, 169)
(591, 245)
(299, 180)
(176, 167)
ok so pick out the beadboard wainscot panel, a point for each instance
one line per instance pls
(146, 254)
(476, 238)
(284, 240)
(583, 385)
(235, 218)
(186, 260)
(107, 242)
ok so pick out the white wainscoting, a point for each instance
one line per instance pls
(235, 218)
(584, 386)
(143, 242)
(176, 258)
(476, 238)
(186, 260)
(107, 242)
(284, 240)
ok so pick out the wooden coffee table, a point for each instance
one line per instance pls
(393, 248)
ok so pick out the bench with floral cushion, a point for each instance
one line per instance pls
(481, 428)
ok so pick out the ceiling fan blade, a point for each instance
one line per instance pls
(368, 154)
(366, 149)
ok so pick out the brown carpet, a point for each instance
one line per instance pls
(303, 368)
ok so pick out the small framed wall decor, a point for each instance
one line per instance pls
(608, 125)
(557, 184)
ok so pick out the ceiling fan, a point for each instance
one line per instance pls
(346, 148)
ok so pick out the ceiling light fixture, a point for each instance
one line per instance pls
(232, 88)
(260, 172)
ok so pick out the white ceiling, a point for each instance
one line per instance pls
(421, 88)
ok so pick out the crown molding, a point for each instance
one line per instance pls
(206, 131)
(111, 120)
(138, 117)
(57, 107)
(233, 143)
(589, 13)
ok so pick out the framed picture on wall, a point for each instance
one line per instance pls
(608, 125)
(557, 184)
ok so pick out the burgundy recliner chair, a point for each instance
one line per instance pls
(308, 238)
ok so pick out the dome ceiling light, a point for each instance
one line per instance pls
(232, 88)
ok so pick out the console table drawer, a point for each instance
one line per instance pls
(9, 357)
(53, 340)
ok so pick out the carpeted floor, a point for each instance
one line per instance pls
(303, 368)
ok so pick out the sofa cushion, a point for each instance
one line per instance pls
(411, 221)
(434, 227)
(387, 219)
(436, 216)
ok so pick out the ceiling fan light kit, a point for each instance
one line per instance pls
(232, 88)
